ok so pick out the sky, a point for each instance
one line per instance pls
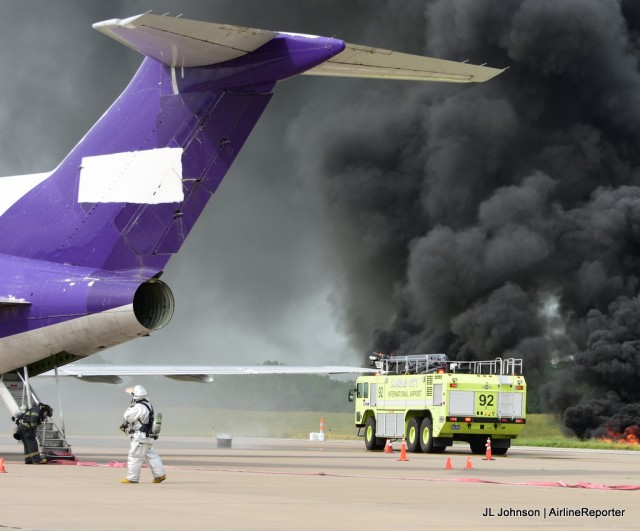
(480, 221)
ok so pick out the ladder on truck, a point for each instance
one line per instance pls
(52, 442)
(427, 363)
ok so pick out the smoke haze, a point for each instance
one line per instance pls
(480, 221)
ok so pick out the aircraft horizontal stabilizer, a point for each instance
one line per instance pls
(180, 42)
(201, 373)
(361, 61)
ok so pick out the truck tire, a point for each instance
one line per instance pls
(413, 435)
(477, 445)
(426, 435)
(370, 440)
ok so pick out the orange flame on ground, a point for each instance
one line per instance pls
(630, 435)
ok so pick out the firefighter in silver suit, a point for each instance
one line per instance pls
(138, 420)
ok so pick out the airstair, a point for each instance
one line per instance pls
(51, 439)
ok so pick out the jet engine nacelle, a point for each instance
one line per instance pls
(56, 308)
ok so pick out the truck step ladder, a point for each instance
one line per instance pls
(51, 440)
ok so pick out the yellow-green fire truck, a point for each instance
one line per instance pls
(432, 402)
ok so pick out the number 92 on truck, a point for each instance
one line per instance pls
(432, 401)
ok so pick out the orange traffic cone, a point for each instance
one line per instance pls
(388, 449)
(488, 456)
(2, 469)
(468, 465)
(403, 451)
(448, 465)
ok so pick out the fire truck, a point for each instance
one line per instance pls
(432, 401)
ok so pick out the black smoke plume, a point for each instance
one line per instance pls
(501, 219)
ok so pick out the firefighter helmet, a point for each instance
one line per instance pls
(138, 392)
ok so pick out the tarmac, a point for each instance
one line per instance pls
(298, 484)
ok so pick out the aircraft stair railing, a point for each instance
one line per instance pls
(11, 392)
(51, 439)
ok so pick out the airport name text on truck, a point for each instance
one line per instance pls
(432, 402)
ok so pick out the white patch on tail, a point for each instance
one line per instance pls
(145, 177)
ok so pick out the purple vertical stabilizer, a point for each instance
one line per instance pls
(129, 193)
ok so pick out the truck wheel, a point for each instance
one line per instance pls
(413, 436)
(370, 440)
(426, 435)
(477, 445)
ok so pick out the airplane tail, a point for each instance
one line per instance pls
(127, 196)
